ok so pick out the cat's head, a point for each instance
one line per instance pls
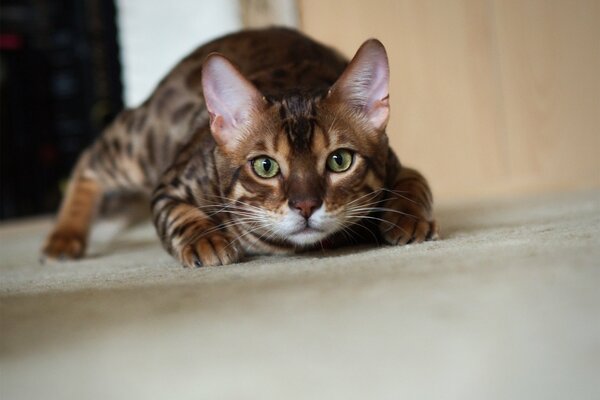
(301, 168)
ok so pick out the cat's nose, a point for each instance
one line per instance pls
(305, 206)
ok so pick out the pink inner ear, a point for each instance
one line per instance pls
(216, 125)
(379, 89)
(365, 83)
(379, 113)
(230, 99)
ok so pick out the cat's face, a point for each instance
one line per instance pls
(300, 169)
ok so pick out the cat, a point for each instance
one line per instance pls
(260, 142)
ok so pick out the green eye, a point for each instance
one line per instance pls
(339, 160)
(265, 167)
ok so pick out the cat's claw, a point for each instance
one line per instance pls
(212, 250)
(63, 246)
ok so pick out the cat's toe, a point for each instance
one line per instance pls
(62, 246)
(422, 228)
(399, 232)
(434, 231)
(210, 251)
(408, 230)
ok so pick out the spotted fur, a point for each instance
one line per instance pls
(193, 157)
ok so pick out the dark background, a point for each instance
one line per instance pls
(60, 84)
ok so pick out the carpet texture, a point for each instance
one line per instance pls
(506, 306)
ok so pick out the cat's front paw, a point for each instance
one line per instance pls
(400, 229)
(215, 249)
(64, 245)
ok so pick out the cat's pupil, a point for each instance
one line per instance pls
(266, 164)
(338, 159)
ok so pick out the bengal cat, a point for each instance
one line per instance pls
(260, 142)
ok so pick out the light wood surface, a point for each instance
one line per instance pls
(488, 97)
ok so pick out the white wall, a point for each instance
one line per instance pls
(156, 34)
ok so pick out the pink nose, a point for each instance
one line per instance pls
(305, 206)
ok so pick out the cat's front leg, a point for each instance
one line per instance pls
(408, 211)
(68, 238)
(190, 234)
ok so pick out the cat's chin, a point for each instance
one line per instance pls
(306, 237)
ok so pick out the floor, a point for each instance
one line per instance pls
(506, 306)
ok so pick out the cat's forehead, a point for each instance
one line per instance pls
(297, 124)
(298, 118)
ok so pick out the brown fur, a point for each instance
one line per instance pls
(203, 195)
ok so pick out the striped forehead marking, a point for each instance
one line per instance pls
(298, 119)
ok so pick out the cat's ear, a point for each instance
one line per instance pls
(364, 84)
(230, 99)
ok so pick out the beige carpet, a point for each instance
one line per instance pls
(507, 306)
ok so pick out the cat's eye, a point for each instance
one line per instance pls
(340, 160)
(265, 167)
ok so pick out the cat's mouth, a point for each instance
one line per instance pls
(300, 231)
(308, 227)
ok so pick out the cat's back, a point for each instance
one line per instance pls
(274, 59)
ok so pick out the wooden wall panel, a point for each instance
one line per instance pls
(550, 63)
(475, 104)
